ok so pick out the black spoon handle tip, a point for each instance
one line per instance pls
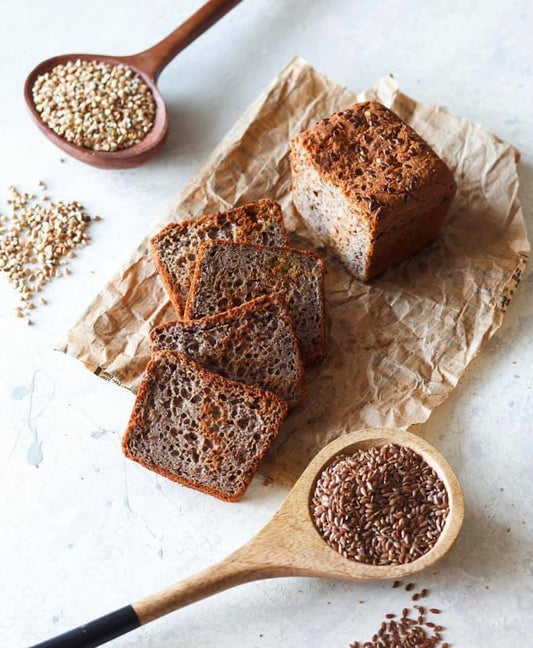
(97, 632)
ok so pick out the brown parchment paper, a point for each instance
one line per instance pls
(398, 346)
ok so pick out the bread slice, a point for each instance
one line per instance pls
(174, 249)
(254, 344)
(230, 274)
(200, 429)
(371, 188)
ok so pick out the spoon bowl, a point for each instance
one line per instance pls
(148, 65)
(289, 545)
(126, 158)
(295, 543)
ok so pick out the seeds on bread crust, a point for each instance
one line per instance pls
(370, 187)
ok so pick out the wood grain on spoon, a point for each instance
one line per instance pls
(289, 545)
(148, 65)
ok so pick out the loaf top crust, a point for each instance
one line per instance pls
(376, 160)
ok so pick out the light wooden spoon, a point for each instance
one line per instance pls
(289, 545)
(148, 65)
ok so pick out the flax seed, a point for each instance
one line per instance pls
(364, 503)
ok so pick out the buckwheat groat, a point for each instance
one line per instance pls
(370, 187)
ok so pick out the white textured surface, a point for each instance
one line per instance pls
(87, 532)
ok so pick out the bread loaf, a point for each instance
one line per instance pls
(370, 187)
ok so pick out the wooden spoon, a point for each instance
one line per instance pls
(289, 545)
(148, 65)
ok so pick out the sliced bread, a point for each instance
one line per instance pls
(175, 247)
(200, 429)
(254, 344)
(230, 274)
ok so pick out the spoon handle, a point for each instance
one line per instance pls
(226, 574)
(152, 61)
(97, 632)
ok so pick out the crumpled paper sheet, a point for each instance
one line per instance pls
(398, 346)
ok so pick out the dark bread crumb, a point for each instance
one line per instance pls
(175, 247)
(200, 429)
(254, 344)
(229, 274)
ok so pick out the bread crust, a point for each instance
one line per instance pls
(388, 175)
(245, 220)
(189, 313)
(137, 421)
(241, 311)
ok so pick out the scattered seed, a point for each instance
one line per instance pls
(396, 584)
(36, 239)
(415, 597)
(409, 587)
(435, 611)
(424, 593)
(407, 632)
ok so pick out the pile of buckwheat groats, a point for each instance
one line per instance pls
(381, 506)
(95, 105)
(37, 239)
(404, 631)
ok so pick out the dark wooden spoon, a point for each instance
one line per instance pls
(148, 65)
